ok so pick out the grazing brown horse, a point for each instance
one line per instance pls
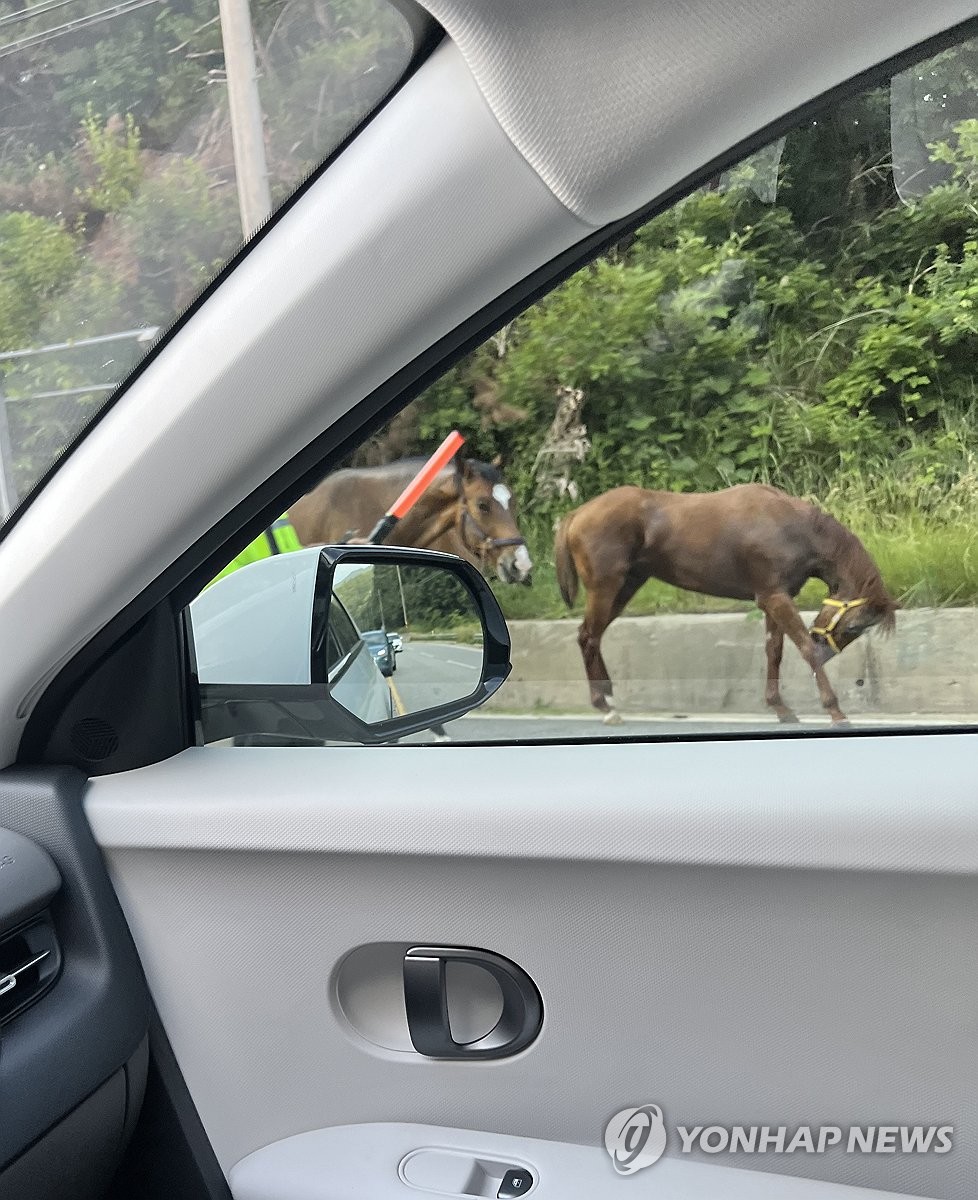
(749, 542)
(468, 510)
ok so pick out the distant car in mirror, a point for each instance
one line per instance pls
(381, 648)
(353, 673)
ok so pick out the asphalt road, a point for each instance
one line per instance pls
(430, 673)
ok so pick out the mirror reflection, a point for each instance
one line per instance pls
(410, 637)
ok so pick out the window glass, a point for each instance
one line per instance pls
(741, 446)
(342, 637)
(127, 179)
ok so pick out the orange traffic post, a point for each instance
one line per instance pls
(409, 497)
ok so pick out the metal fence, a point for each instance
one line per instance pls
(38, 422)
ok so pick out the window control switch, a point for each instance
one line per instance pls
(516, 1182)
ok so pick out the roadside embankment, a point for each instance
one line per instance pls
(715, 663)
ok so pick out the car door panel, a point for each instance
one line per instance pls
(739, 948)
(381, 1161)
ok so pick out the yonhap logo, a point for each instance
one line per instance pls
(635, 1138)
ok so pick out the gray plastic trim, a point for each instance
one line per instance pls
(893, 804)
(614, 103)
(76, 1158)
(29, 879)
(94, 1020)
(364, 1160)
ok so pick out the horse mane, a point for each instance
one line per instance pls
(487, 471)
(403, 466)
(855, 564)
(491, 474)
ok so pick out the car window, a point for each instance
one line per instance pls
(342, 637)
(141, 145)
(736, 456)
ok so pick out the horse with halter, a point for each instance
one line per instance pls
(468, 510)
(748, 542)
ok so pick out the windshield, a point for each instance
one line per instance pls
(140, 143)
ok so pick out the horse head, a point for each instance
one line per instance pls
(840, 622)
(487, 522)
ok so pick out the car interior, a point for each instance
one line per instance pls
(332, 971)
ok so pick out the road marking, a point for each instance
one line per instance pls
(810, 722)
(396, 696)
(429, 649)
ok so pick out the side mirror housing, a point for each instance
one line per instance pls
(300, 648)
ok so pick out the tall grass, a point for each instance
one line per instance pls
(927, 564)
(917, 514)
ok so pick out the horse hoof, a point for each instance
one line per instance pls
(612, 717)
(789, 719)
(843, 724)
(441, 737)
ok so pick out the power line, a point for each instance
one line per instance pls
(8, 490)
(106, 14)
(145, 334)
(26, 14)
(78, 391)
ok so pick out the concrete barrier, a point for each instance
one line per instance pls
(714, 663)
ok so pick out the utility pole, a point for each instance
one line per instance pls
(247, 132)
(400, 584)
(8, 491)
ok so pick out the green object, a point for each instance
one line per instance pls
(285, 541)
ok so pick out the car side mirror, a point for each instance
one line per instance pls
(345, 643)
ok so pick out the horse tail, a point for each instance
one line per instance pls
(567, 579)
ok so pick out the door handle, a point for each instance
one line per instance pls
(426, 1004)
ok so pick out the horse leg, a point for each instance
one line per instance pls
(589, 639)
(599, 612)
(780, 608)
(774, 646)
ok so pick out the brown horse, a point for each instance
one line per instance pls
(749, 542)
(468, 510)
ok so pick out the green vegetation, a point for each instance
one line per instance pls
(825, 342)
(117, 191)
(415, 600)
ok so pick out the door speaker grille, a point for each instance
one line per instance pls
(94, 739)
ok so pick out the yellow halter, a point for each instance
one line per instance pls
(843, 607)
